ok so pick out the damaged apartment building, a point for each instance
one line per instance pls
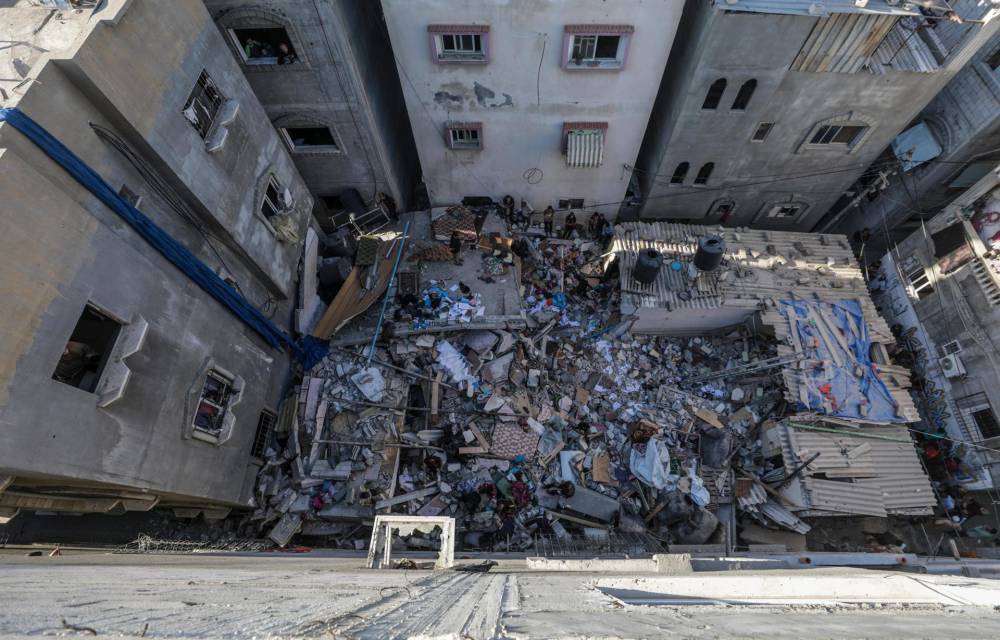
(324, 72)
(940, 289)
(946, 149)
(681, 388)
(544, 101)
(772, 110)
(153, 221)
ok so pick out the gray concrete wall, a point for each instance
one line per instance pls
(61, 248)
(523, 96)
(345, 79)
(965, 119)
(741, 46)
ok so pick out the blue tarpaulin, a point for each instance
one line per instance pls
(309, 351)
(853, 388)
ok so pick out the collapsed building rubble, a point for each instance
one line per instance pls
(648, 389)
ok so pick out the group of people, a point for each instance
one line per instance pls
(256, 49)
(599, 228)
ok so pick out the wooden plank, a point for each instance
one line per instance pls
(353, 299)
(436, 393)
(406, 497)
(483, 442)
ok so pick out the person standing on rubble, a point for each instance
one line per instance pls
(456, 246)
(508, 209)
(526, 212)
(569, 225)
(548, 218)
(594, 225)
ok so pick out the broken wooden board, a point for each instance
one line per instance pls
(406, 497)
(352, 298)
(710, 417)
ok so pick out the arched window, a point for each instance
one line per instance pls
(714, 95)
(704, 173)
(680, 173)
(744, 94)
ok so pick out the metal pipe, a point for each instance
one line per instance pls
(388, 293)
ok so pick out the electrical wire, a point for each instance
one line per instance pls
(173, 202)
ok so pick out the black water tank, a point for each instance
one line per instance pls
(647, 265)
(711, 248)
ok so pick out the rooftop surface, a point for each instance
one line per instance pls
(823, 7)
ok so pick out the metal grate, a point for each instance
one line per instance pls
(265, 426)
(147, 544)
(203, 105)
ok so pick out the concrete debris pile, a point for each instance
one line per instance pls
(570, 429)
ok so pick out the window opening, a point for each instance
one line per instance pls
(461, 46)
(216, 396)
(272, 203)
(680, 173)
(571, 203)
(744, 94)
(784, 211)
(264, 45)
(986, 422)
(304, 138)
(203, 104)
(87, 351)
(761, 132)
(265, 427)
(714, 95)
(920, 282)
(837, 134)
(704, 173)
(465, 138)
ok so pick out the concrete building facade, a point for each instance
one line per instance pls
(325, 74)
(122, 383)
(940, 287)
(544, 100)
(772, 110)
(952, 143)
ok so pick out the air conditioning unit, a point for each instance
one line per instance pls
(952, 366)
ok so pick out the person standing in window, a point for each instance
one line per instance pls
(286, 55)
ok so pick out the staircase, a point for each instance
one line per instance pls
(986, 282)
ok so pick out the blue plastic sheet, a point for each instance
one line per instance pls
(838, 390)
(309, 351)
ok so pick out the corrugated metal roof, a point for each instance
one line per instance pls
(819, 8)
(761, 268)
(843, 43)
(888, 475)
(584, 148)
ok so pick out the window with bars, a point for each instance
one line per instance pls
(216, 396)
(265, 427)
(461, 45)
(951, 348)
(465, 135)
(834, 134)
(570, 203)
(601, 48)
(273, 202)
(920, 282)
(203, 104)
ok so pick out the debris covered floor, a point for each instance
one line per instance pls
(567, 427)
